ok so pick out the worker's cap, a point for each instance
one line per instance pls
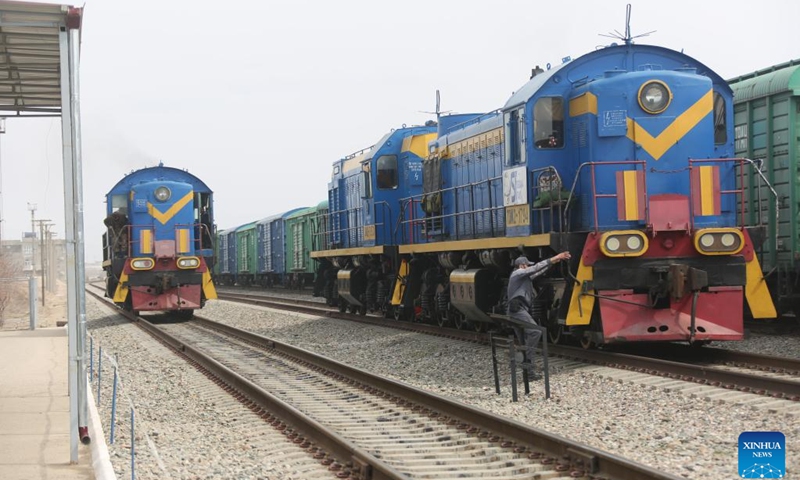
(522, 261)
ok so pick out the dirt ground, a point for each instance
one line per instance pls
(16, 315)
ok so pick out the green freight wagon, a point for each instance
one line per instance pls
(301, 233)
(246, 253)
(766, 130)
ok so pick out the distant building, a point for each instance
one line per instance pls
(26, 255)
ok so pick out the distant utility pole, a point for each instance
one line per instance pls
(43, 224)
(32, 208)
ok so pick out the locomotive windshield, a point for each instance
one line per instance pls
(387, 171)
(548, 122)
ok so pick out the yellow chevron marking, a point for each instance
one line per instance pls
(175, 208)
(658, 146)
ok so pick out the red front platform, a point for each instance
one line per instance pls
(719, 316)
(186, 297)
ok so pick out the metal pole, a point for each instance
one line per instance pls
(69, 244)
(32, 300)
(80, 273)
(113, 405)
(41, 255)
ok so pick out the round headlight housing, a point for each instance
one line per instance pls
(707, 240)
(162, 194)
(654, 97)
(719, 241)
(623, 243)
(142, 263)
(188, 262)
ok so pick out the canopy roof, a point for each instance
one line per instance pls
(30, 56)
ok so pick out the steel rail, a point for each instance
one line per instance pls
(367, 465)
(698, 373)
(595, 462)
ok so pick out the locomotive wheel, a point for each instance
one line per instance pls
(342, 306)
(362, 310)
(388, 311)
(441, 320)
(399, 313)
(587, 343)
(353, 309)
(479, 327)
(460, 322)
(556, 334)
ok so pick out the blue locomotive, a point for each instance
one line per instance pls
(359, 234)
(158, 250)
(623, 156)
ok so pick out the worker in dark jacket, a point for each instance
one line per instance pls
(521, 296)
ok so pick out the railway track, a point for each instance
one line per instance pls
(776, 377)
(367, 427)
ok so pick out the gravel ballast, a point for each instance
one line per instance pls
(667, 430)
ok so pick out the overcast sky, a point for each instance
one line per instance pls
(258, 98)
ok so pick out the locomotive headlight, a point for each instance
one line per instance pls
(719, 241)
(654, 97)
(162, 194)
(188, 262)
(623, 243)
(142, 263)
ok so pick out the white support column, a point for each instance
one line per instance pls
(69, 241)
(80, 262)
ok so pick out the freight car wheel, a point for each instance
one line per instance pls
(441, 320)
(587, 343)
(362, 310)
(479, 327)
(342, 305)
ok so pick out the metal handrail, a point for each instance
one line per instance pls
(595, 195)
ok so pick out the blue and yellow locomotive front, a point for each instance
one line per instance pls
(624, 157)
(159, 248)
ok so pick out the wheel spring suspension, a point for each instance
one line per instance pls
(443, 300)
(371, 295)
(427, 302)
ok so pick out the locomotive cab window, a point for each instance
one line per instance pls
(387, 171)
(515, 136)
(119, 203)
(548, 123)
(720, 120)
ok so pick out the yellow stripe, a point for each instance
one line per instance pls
(418, 144)
(580, 306)
(175, 208)
(583, 104)
(183, 240)
(757, 293)
(121, 294)
(208, 286)
(146, 241)
(707, 190)
(346, 252)
(658, 146)
(539, 240)
(631, 195)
